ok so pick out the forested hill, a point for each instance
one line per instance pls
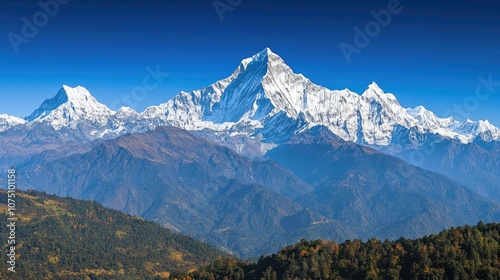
(458, 253)
(63, 238)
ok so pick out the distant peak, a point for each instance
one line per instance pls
(127, 109)
(4, 118)
(73, 98)
(417, 111)
(124, 112)
(485, 125)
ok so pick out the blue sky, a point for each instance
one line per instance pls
(429, 53)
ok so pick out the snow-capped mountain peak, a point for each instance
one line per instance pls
(262, 56)
(374, 92)
(69, 107)
(417, 112)
(7, 122)
(49, 105)
(373, 89)
(265, 58)
(78, 95)
(473, 129)
(127, 112)
(428, 118)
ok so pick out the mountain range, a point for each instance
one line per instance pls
(314, 186)
(262, 105)
(262, 158)
(262, 92)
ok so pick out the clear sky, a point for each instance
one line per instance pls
(430, 53)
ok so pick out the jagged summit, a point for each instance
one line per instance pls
(374, 86)
(373, 91)
(267, 50)
(265, 57)
(262, 56)
(266, 99)
(48, 105)
(70, 106)
(78, 96)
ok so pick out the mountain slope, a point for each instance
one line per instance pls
(63, 238)
(260, 106)
(192, 186)
(475, 165)
(169, 176)
(66, 124)
(7, 122)
(377, 194)
(264, 103)
(189, 185)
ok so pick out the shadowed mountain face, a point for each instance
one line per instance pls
(188, 185)
(317, 186)
(377, 194)
(475, 165)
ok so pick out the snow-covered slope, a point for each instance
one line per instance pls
(7, 122)
(264, 96)
(265, 100)
(71, 107)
